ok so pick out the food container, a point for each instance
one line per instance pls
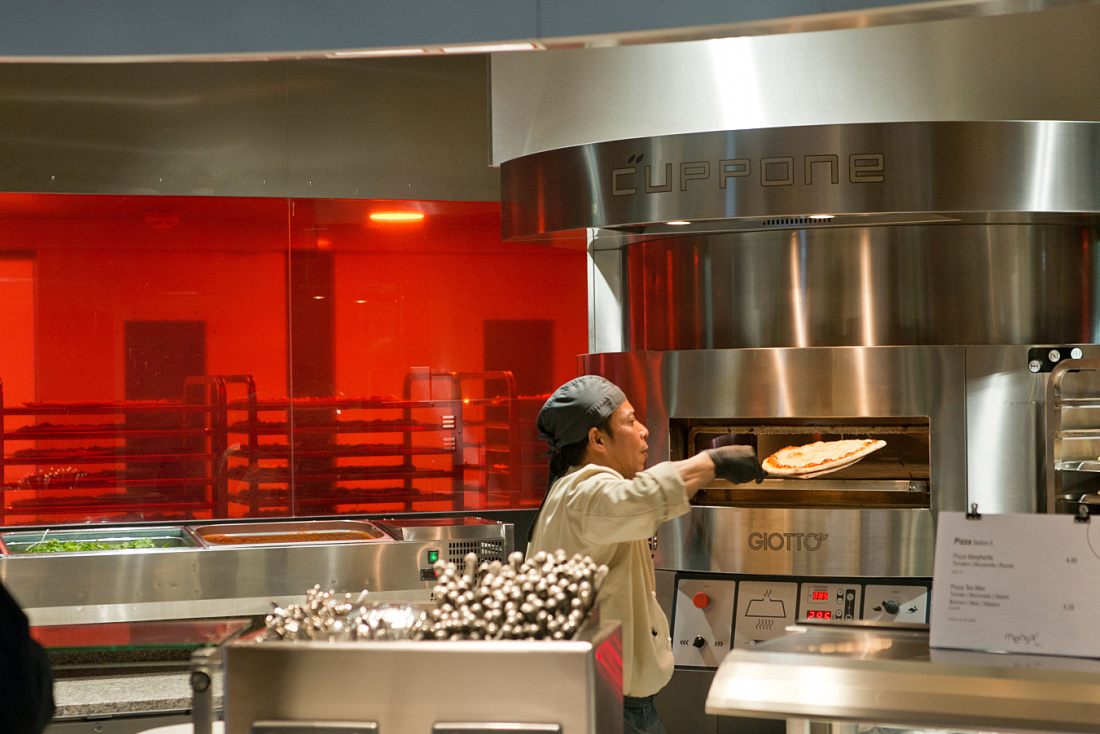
(289, 533)
(93, 540)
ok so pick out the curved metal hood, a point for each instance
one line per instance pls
(813, 176)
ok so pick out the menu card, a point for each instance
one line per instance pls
(1017, 583)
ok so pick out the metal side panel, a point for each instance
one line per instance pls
(800, 542)
(411, 686)
(1006, 427)
(179, 583)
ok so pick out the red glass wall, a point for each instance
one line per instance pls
(204, 357)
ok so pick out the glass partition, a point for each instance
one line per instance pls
(177, 358)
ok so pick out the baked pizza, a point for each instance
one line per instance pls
(820, 457)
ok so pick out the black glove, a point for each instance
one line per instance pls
(736, 464)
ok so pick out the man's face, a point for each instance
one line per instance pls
(625, 447)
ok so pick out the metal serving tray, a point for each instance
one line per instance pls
(19, 543)
(443, 528)
(289, 533)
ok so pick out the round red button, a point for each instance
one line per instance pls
(700, 600)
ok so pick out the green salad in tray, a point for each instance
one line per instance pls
(53, 545)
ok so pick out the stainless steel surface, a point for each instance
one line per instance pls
(444, 528)
(607, 296)
(1015, 67)
(158, 609)
(744, 180)
(390, 129)
(892, 677)
(320, 727)
(411, 686)
(985, 409)
(811, 542)
(865, 286)
(808, 487)
(490, 728)
(1008, 466)
(203, 664)
(22, 542)
(295, 531)
(349, 128)
(203, 582)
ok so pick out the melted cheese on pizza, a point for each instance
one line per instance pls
(820, 453)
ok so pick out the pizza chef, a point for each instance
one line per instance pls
(602, 502)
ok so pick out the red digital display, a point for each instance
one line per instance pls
(812, 614)
(820, 596)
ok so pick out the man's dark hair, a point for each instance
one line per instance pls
(573, 454)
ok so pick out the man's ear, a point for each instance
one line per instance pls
(595, 440)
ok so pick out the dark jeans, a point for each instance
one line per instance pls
(640, 716)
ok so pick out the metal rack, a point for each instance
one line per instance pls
(1073, 436)
(221, 451)
(161, 457)
(494, 427)
(379, 451)
(305, 470)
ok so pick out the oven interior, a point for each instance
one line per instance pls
(896, 475)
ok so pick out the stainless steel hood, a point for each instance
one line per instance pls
(810, 177)
(827, 235)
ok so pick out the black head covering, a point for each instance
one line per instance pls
(575, 407)
(572, 410)
(567, 416)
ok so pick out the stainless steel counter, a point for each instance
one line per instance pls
(892, 677)
(206, 579)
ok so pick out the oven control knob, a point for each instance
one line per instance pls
(699, 642)
(701, 601)
(891, 607)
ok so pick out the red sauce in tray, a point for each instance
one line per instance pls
(299, 537)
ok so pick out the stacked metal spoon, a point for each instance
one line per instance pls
(544, 597)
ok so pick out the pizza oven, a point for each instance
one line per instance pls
(894, 476)
(910, 282)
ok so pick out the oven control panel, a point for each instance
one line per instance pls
(896, 603)
(713, 613)
(703, 630)
(764, 610)
(829, 602)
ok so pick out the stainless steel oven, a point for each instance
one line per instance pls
(912, 282)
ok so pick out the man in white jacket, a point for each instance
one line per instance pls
(602, 502)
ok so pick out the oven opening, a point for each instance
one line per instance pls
(897, 475)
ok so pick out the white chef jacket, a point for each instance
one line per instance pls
(594, 511)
